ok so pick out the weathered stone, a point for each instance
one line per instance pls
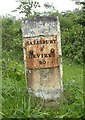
(43, 56)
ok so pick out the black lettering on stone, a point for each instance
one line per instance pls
(31, 43)
(34, 56)
(37, 42)
(43, 41)
(40, 42)
(41, 55)
(54, 41)
(40, 62)
(38, 55)
(45, 55)
(47, 41)
(34, 42)
(44, 62)
(51, 41)
(27, 43)
(49, 55)
(30, 56)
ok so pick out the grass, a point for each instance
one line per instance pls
(17, 103)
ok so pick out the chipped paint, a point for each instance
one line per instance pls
(41, 52)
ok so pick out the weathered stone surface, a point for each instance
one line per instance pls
(41, 52)
(39, 26)
(44, 79)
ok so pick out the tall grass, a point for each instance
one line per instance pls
(16, 102)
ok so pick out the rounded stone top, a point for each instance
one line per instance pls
(41, 18)
(41, 25)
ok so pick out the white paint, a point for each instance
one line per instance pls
(48, 94)
(60, 52)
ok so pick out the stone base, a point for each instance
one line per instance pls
(47, 94)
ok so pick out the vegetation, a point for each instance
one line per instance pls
(16, 102)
